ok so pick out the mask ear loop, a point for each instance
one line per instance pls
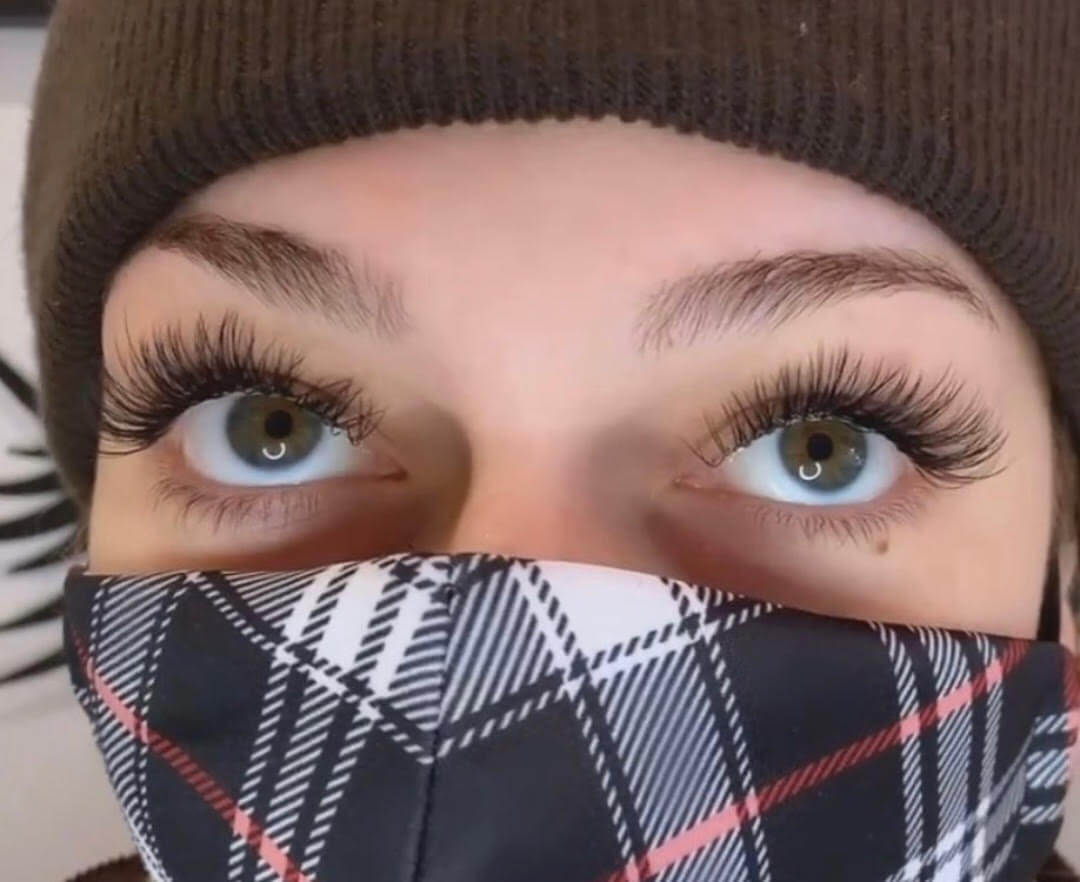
(1050, 612)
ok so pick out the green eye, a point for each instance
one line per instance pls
(258, 439)
(270, 432)
(823, 454)
(816, 462)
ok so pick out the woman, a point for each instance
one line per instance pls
(811, 338)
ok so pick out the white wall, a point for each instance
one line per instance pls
(20, 51)
(57, 813)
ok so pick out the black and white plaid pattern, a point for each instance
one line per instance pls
(472, 718)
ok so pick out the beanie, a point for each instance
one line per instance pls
(966, 110)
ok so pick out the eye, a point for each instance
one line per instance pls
(816, 462)
(258, 440)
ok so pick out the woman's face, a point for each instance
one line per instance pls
(592, 341)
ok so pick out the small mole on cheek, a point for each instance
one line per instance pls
(882, 546)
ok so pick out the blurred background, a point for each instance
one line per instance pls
(57, 813)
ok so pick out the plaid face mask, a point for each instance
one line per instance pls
(475, 718)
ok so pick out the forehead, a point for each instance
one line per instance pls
(507, 242)
(594, 195)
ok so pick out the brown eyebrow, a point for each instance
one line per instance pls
(763, 293)
(283, 270)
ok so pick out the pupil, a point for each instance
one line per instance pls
(278, 424)
(819, 446)
(825, 455)
(269, 433)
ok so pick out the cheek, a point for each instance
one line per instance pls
(119, 534)
(977, 561)
(993, 564)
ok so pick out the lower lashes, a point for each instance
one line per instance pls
(860, 526)
(271, 508)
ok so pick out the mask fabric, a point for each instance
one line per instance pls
(476, 718)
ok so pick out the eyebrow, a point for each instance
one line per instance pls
(759, 293)
(285, 271)
(752, 295)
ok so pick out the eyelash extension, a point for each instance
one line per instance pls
(170, 372)
(949, 442)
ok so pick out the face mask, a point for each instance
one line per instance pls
(475, 718)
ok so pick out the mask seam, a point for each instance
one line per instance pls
(425, 814)
(449, 591)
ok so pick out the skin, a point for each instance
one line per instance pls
(519, 416)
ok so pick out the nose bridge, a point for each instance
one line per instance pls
(525, 505)
(536, 422)
(539, 503)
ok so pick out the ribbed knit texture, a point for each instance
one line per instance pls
(967, 110)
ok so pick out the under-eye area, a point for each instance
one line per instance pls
(834, 441)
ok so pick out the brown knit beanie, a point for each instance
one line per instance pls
(967, 110)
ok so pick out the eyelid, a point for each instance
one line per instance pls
(952, 440)
(169, 372)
